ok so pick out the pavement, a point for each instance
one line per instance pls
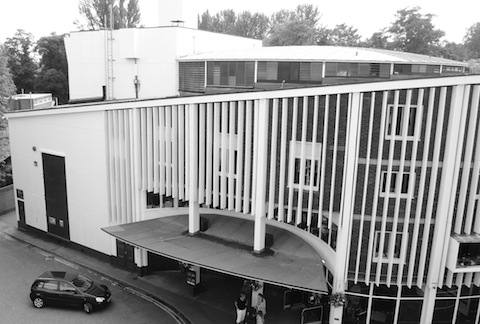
(212, 303)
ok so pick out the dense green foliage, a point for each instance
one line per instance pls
(99, 14)
(411, 31)
(7, 87)
(30, 66)
(19, 50)
(53, 70)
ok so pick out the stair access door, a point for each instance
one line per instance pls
(56, 195)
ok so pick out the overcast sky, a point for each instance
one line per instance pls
(41, 17)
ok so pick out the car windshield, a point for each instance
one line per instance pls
(82, 283)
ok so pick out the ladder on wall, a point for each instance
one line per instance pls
(109, 64)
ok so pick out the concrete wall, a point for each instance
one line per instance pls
(80, 138)
(148, 53)
(7, 199)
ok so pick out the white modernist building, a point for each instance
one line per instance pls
(375, 184)
(136, 62)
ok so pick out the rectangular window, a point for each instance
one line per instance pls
(309, 167)
(353, 70)
(294, 71)
(385, 252)
(153, 199)
(230, 74)
(272, 71)
(306, 175)
(289, 72)
(401, 125)
(316, 71)
(262, 71)
(228, 168)
(305, 71)
(396, 182)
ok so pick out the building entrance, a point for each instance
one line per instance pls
(125, 255)
(56, 195)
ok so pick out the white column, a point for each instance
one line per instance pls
(192, 145)
(446, 199)
(347, 204)
(261, 121)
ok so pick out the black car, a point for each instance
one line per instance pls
(69, 289)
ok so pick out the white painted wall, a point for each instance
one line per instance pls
(80, 137)
(86, 63)
(149, 53)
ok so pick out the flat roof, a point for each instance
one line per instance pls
(226, 247)
(30, 96)
(321, 53)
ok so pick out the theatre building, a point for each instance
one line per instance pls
(367, 191)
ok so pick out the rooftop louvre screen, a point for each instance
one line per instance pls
(230, 73)
(295, 72)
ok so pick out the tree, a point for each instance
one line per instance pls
(377, 40)
(291, 33)
(251, 25)
(415, 33)
(7, 87)
(19, 50)
(244, 24)
(341, 35)
(453, 51)
(99, 13)
(472, 41)
(298, 27)
(53, 72)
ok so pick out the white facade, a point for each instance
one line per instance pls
(78, 137)
(110, 61)
(386, 218)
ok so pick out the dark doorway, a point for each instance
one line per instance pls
(56, 195)
(21, 214)
(125, 255)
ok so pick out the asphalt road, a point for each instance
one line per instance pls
(21, 264)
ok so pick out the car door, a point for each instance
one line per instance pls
(69, 295)
(49, 291)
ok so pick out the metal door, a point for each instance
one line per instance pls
(56, 195)
(125, 255)
(21, 214)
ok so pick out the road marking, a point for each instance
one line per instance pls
(113, 283)
(67, 263)
(159, 304)
(51, 257)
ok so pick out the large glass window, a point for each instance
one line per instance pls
(383, 310)
(289, 72)
(357, 70)
(230, 73)
(421, 69)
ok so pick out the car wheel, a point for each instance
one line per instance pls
(87, 308)
(38, 302)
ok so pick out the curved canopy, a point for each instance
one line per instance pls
(226, 246)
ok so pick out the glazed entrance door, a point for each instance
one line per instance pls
(125, 255)
(56, 195)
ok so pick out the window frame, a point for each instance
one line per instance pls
(397, 255)
(400, 125)
(295, 154)
(393, 193)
